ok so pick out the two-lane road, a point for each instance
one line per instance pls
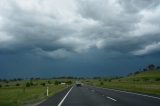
(93, 96)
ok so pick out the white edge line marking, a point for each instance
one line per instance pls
(64, 97)
(111, 98)
(131, 93)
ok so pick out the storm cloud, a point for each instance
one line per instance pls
(60, 29)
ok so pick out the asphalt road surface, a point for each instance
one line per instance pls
(93, 96)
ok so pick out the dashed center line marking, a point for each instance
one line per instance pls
(111, 98)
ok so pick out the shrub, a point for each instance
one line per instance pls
(99, 80)
(101, 83)
(0, 86)
(31, 83)
(7, 81)
(109, 80)
(157, 79)
(105, 79)
(17, 84)
(145, 79)
(57, 82)
(137, 72)
(68, 82)
(135, 79)
(7, 85)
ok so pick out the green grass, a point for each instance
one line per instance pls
(145, 82)
(148, 75)
(19, 95)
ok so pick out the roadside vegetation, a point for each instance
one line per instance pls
(146, 81)
(17, 92)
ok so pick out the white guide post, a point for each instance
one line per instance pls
(47, 90)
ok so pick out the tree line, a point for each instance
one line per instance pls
(150, 67)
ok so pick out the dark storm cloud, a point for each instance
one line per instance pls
(126, 26)
(80, 35)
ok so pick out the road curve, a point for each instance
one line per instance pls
(93, 96)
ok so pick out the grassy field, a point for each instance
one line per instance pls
(17, 93)
(21, 92)
(145, 82)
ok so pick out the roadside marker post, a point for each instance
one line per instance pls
(47, 90)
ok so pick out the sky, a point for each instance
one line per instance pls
(49, 38)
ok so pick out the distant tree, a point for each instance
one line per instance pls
(137, 72)
(32, 78)
(144, 69)
(17, 84)
(158, 67)
(69, 77)
(31, 83)
(49, 82)
(151, 67)
(14, 79)
(96, 77)
(28, 84)
(19, 79)
(37, 78)
(0, 86)
(43, 84)
(130, 74)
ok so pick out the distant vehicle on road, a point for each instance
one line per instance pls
(78, 84)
